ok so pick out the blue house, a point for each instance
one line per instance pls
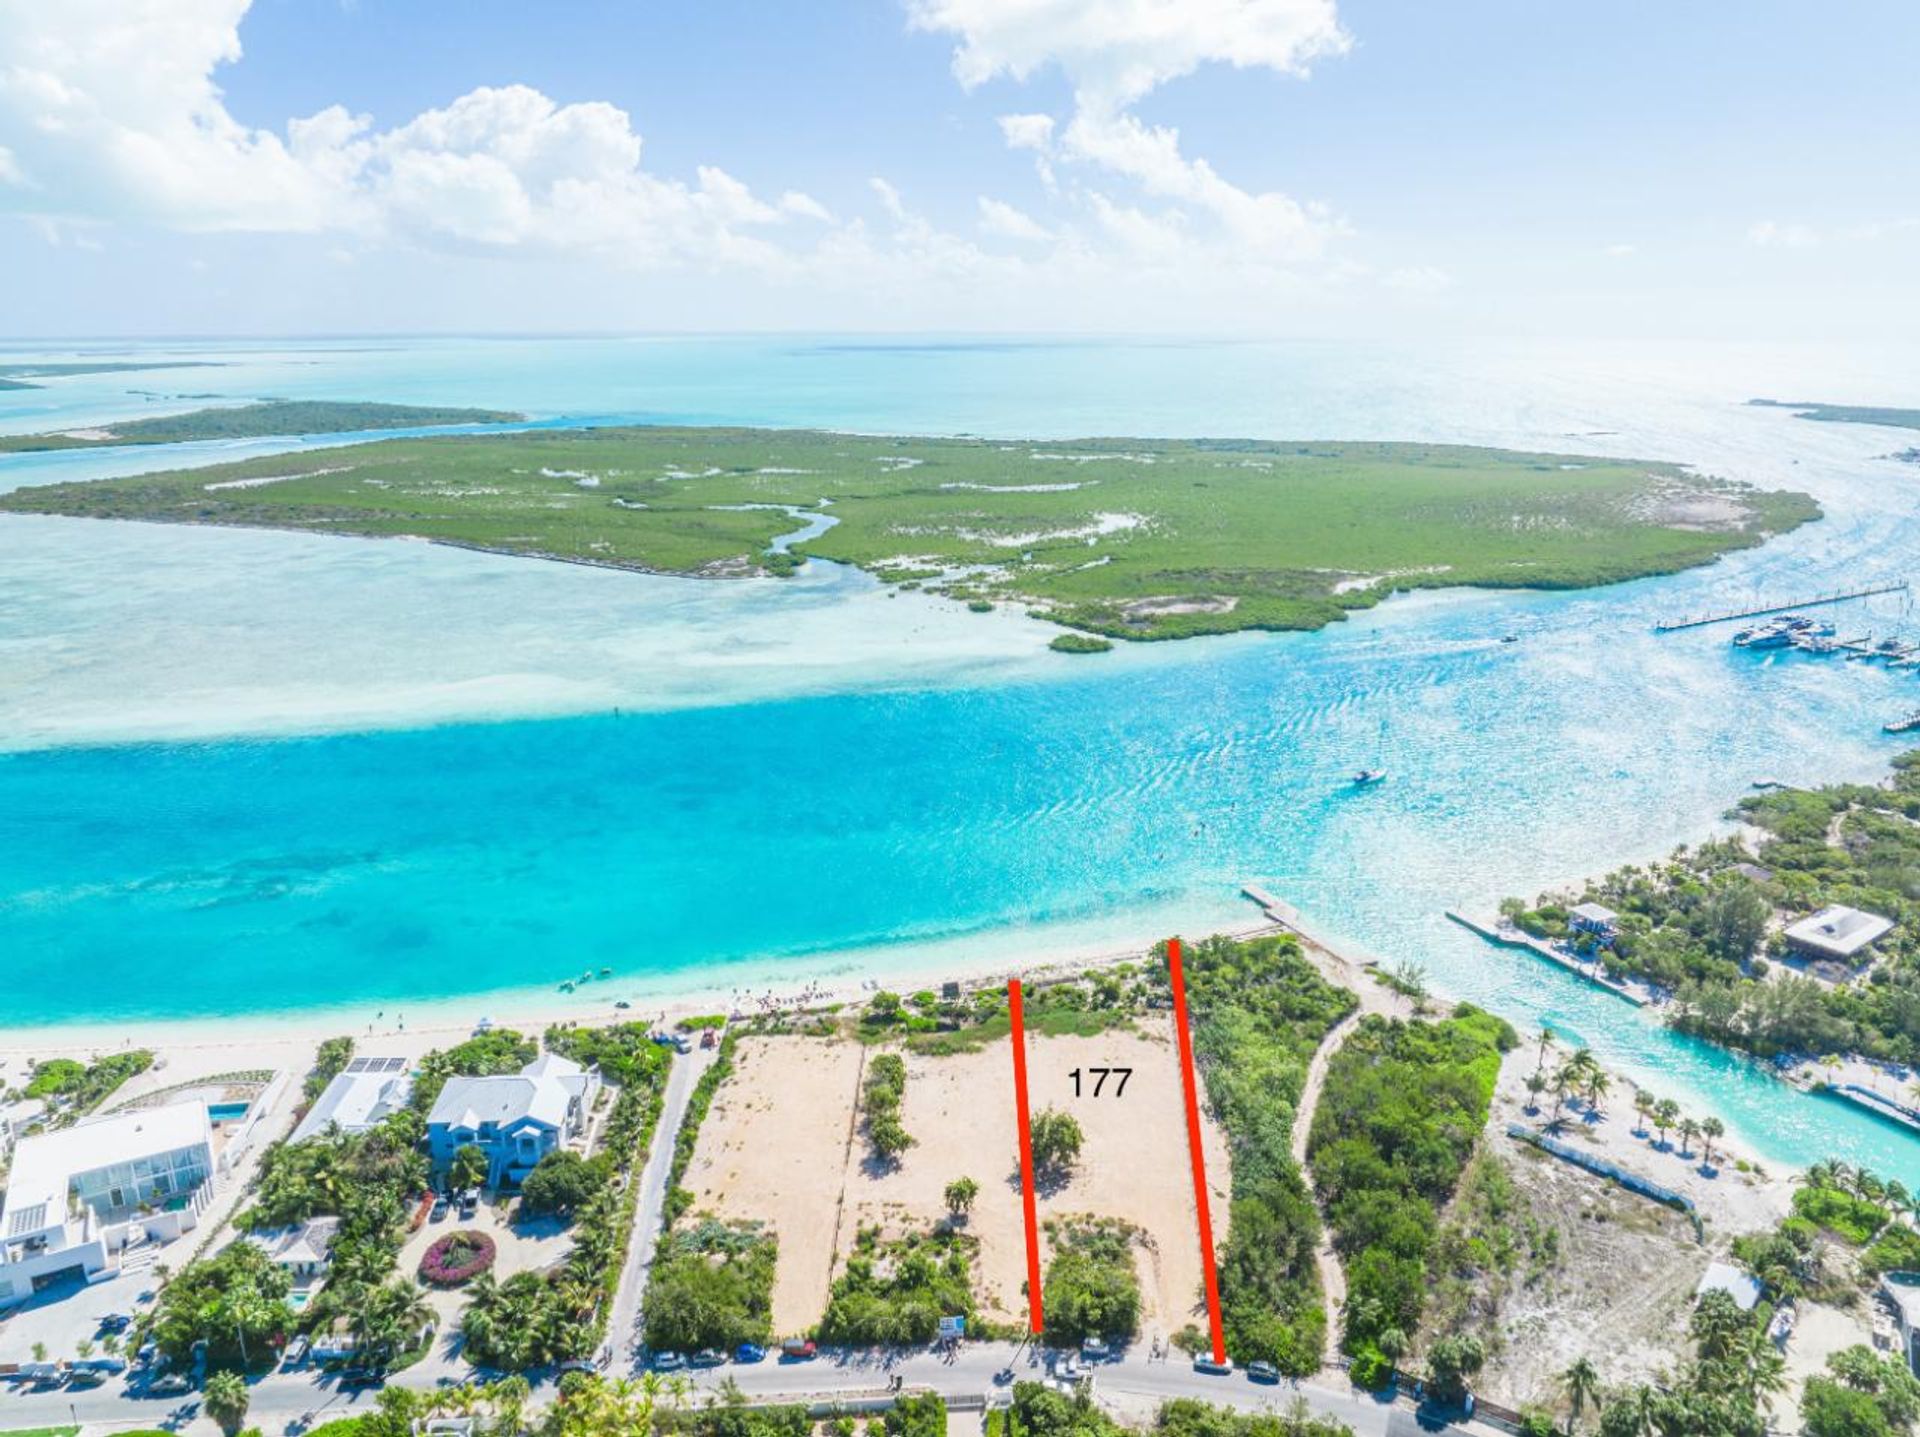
(516, 1119)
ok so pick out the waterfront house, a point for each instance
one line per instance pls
(79, 1199)
(1901, 1292)
(1836, 934)
(516, 1119)
(1595, 919)
(363, 1095)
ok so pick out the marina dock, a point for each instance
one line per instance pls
(1756, 611)
(1877, 1104)
(1508, 936)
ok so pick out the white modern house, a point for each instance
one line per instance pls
(517, 1118)
(78, 1198)
(363, 1095)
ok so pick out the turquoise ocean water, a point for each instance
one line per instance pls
(937, 785)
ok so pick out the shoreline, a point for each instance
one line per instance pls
(846, 980)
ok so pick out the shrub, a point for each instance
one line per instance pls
(457, 1258)
(562, 1182)
(1371, 1369)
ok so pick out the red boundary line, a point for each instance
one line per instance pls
(1015, 1011)
(1177, 977)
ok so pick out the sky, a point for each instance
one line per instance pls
(1727, 169)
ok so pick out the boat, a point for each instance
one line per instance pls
(1903, 725)
(1368, 775)
(1510, 638)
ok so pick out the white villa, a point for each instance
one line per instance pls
(363, 1095)
(516, 1118)
(78, 1199)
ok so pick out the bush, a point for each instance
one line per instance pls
(1091, 1289)
(896, 1293)
(457, 1258)
(561, 1183)
(711, 1286)
(1371, 1369)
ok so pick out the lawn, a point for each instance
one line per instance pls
(1130, 538)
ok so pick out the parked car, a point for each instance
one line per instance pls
(1206, 1366)
(576, 1364)
(469, 1203)
(1092, 1349)
(115, 1322)
(668, 1361)
(85, 1377)
(749, 1352)
(169, 1384)
(440, 1206)
(355, 1379)
(798, 1349)
(1262, 1372)
(296, 1352)
(707, 1357)
(710, 1039)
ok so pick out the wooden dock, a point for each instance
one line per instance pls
(1284, 915)
(1875, 1103)
(1509, 936)
(1761, 610)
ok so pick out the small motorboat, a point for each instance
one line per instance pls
(1368, 775)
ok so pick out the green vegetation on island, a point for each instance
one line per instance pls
(1041, 1410)
(264, 419)
(1130, 538)
(711, 1287)
(1397, 1122)
(880, 1095)
(895, 1292)
(73, 1089)
(1706, 923)
(1091, 1289)
(1845, 413)
(19, 376)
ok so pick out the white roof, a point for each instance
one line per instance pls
(1839, 931)
(45, 1165)
(306, 1242)
(1594, 913)
(1723, 1277)
(469, 1102)
(356, 1100)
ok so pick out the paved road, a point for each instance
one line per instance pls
(623, 1325)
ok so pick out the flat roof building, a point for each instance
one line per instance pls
(1837, 933)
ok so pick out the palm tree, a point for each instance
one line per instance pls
(1582, 1386)
(1546, 1041)
(1597, 1085)
(1666, 1113)
(1643, 1105)
(1711, 1131)
(960, 1195)
(226, 1399)
(1689, 1130)
(1536, 1085)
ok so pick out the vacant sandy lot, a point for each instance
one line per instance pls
(781, 1145)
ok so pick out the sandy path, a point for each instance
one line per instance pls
(1333, 1277)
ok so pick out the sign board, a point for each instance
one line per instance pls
(951, 1327)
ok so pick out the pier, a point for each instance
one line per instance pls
(1509, 936)
(1875, 1103)
(1760, 610)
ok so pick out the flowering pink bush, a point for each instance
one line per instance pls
(456, 1258)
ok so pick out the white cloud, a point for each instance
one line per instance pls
(109, 111)
(1620, 251)
(997, 217)
(1115, 52)
(1772, 234)
(1418, 279)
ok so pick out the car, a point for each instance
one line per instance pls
(440, 1206)
(1262, 1372)
(668, 1361)
(169, 1384)
(148, 1351)
(469, 1204)
(1209, 1367)
(355, 1379)
(709, 1039)
(1066, 1367)
(85, 1377)
(707, 1357)
(798, 1349)
(577, 1364)
(749, 1352)
(296, 1352)
(1092, 1349)
(115, 1322)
